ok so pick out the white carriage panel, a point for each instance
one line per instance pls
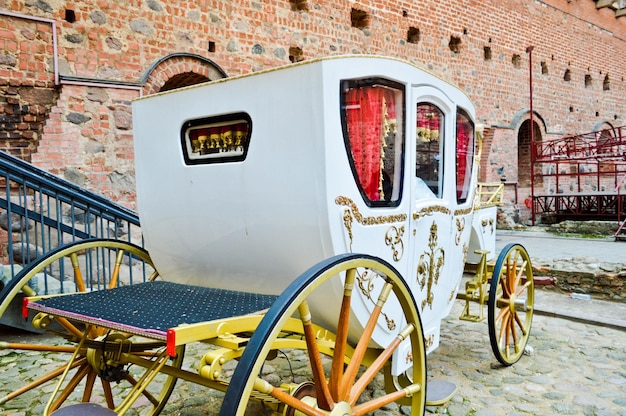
(253, 225)
(483, 234)
(355, 226)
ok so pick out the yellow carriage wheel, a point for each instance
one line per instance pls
(511, 304)
(93, 377)
(336, 386)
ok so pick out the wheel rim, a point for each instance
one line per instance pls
(511, 304)
(337, 385)
(87, 381)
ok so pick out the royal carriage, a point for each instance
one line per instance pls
(328, 208)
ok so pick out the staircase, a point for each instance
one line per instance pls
(40, 211)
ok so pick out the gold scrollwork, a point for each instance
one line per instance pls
(485, 223)
(460, 227)
(365, 281)
(393, 238)
(465, 211)
(465, 252)
(381, 219)
(352, 213)
(424, 212)
(429, 266)
(347, 222)
(429, 341)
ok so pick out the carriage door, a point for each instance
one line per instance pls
(431, 210)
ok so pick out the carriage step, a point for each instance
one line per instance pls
(84, 409)
(439, 392)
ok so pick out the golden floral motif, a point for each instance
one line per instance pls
(429, 341)
(365, 281)
(465, 211)
(465, 252)
(347, 223)
(381, 219)
(393, 238)
(429, 266)
(352, 213)
(485, 223)
(424, 212)
(460, 227)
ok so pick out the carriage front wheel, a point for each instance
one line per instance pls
(336, 387)
(511, 304)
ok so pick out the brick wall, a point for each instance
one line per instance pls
(478, 45)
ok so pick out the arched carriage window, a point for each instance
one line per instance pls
(372, 113)
(465, 143)
(429, 148)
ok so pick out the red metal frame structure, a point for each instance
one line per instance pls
(582, 176)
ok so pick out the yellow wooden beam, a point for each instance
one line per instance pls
(604, 3)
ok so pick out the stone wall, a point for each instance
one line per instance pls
(578, 61)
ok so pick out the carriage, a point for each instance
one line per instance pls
(325, 212)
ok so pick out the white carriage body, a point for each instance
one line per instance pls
(244, 183)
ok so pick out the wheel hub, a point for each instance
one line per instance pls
(105, 361)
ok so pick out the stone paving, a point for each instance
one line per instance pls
(573, 369)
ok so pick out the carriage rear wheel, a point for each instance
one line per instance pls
(96, 375)
(511, 304)
(336, 387)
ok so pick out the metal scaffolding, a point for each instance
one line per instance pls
(581, 177)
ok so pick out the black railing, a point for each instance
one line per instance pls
(40, 211)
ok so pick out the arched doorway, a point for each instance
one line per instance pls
(524, 160)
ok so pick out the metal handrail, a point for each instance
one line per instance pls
(40, 211)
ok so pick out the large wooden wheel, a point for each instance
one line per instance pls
(511, 304)
(335, 388)
(97, 368)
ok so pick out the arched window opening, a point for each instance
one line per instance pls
(183, 80)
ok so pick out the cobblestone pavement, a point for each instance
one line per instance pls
(573, 369)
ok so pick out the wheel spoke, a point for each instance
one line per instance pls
(116, 269)
(337, 367)
(523, 288)
(502, 312)
(41, 380)
(521, 325)
(133, 382)
(108, 394)
(324, 399)
(82, 371)
(91, 379)
(78, 275)
(378, 364)
(502, 338)
(359, 352)
(263, 386)
(379, 402)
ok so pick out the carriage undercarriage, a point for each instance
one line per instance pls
(255, 329)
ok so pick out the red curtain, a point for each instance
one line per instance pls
(464, 155)
(369, 111)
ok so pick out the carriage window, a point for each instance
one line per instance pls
(372, 120)
(216, 139)
(464, 155)
(429, 150)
